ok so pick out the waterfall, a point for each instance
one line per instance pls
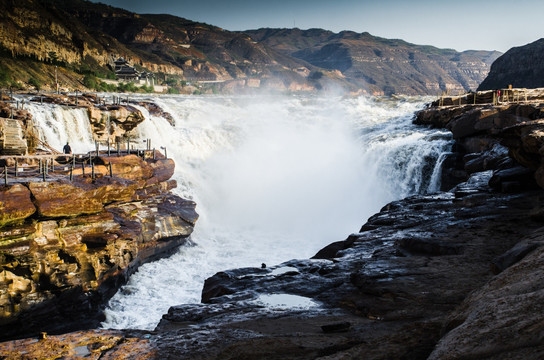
(274, 178)
(59, 124)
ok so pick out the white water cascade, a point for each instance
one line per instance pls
(274, 178)
(61, 124)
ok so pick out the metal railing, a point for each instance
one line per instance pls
(58, 166)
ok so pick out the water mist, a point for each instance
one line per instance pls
(275, 178)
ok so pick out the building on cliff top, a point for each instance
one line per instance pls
(125, 71)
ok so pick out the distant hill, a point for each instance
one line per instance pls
(521, 67)
(382, 65)
(75, 38)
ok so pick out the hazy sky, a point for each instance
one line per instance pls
(461, 24)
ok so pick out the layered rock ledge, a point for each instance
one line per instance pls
(449, 276)
(488, 137)
(66, 246)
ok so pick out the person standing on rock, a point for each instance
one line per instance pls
(67, 149)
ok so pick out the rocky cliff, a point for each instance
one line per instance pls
(495, 136)
(383, 66)
(66, 246)
(84, 36)
(81, 37)
(520, 67)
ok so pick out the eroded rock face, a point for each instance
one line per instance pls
(15, 204)
(418, 280)
(113, 122)
(66, 252)
(87, 344)
(483, 133)
(504, 319)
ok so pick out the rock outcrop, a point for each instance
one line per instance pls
(491, 136)
(113, 122)
(419, 280)
(520, 67)
(66, 246)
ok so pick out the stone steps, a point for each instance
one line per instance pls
(13, 142)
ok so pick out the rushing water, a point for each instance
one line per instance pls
(275, 178)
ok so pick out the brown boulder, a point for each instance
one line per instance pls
(113, 122)
(15, 204)
(63, 199)
(129, 167)
(126, 117)
(163, 169)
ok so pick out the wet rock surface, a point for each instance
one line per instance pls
(446, 276)
(393, 288)
(492, 137)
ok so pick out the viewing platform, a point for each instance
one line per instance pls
(53, 167)
(493, 97)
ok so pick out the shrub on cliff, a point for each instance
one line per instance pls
(90, 81)
(35, 83)
(172, 90)
(5, 78)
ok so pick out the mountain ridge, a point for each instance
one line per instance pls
(360, 56)
(84, 36)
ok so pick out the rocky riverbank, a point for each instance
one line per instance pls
(67, 246)
(454, 275)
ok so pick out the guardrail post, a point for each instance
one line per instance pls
(71, 173)
(83, 167)
(5, 175)
(108, 147)
(111, 172)
(92, 171)
(16, 169)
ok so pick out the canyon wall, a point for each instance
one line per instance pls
(67, 246)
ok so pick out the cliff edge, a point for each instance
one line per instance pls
(67, 245)
(520, 67)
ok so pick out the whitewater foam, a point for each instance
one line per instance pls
(275, 178)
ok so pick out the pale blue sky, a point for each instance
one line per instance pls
(461, 24)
